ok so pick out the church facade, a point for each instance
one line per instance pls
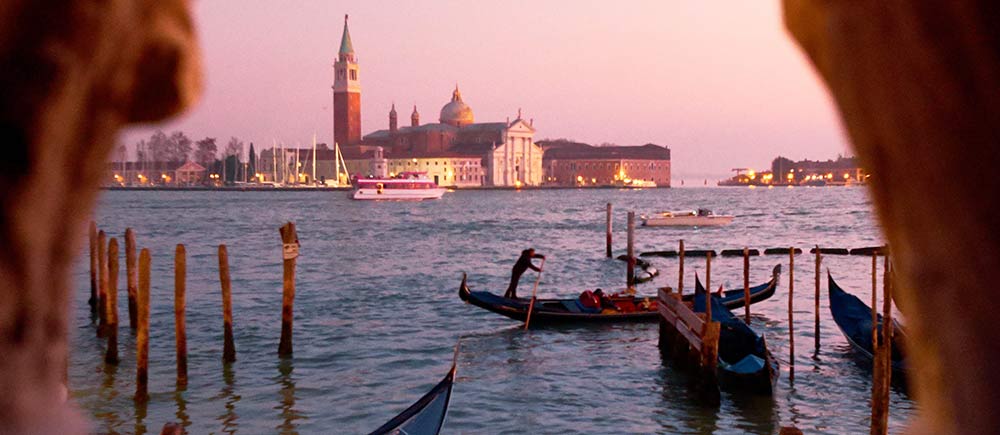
(462, 152)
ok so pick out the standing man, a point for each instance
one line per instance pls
(522, 265)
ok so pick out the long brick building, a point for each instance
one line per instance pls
(578, 164)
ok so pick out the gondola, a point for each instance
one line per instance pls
(745, 363)
(571, 311)
(426, 416)
(854, 319)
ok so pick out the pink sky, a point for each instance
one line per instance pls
(720, 83)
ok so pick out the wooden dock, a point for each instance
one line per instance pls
(690, 339)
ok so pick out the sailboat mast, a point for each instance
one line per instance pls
(274, 161)
(336, 160)
(314, 159)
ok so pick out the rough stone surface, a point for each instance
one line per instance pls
(72, 73)
(917, 83)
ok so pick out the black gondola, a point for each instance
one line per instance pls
(854, 319)
(745, 362)
(571, 311)
(426, 416)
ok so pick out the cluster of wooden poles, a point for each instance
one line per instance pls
(104, 273)
(882, 369)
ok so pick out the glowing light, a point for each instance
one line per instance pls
(846, 176)
(517, 184)
(579, 178)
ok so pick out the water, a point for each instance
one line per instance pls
(377, 314)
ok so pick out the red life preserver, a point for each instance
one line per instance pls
(589, 300)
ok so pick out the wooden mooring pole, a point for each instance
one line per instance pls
(708, 289)
(93, 269)
(708, 276)
(819, 260)
(608, 247)
(290, 251)
(746, 284)
(142, 330)
(791, 323)
(180, 278)
(111, 356)
(102, 284)
(130, 276)
(228, 348)
(875, 303)
(882, 368)
(630, 273)
(680, 268)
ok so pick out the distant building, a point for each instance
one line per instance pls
(190, 174)
(505, 152)
(578, 164)
(142, 173)
(785, 172)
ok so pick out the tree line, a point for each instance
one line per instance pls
(177, 147)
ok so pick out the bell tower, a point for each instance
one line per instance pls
(346, 93)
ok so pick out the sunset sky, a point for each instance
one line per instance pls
(720, 83)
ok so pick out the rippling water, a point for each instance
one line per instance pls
(377, 314)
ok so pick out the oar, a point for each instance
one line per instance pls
(527, 320)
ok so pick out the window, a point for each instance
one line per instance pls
(354, 74)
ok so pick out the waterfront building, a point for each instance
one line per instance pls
(786, 172)
(190, 174)
(143, 173)
(578, 164)
(507, 153)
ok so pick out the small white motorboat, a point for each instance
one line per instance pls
(700, 218)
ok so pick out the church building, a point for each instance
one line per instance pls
(504, 153)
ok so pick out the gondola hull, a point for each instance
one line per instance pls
(752, 367)
(554, 311)
(853, 318)
(425, 416)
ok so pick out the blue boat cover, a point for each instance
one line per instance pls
(748, 365)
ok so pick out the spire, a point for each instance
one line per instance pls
(456, 95)
(415, 117)
(392, 119)
(346, 48)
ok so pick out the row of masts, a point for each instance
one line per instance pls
(280, 172)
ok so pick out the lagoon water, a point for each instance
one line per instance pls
(377, 314)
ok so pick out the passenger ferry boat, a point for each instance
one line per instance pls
(407, 186)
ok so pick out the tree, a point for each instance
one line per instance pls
(252, 169)
(205, 151)
(141, 151)
(159, 146)
(235, 148)
(180, 147)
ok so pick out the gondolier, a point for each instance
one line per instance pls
(522, 265)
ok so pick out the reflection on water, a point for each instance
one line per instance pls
(182, 416)
(230, 398)
(109, 393)
(141, 407)
(377, 314)
(289, 416)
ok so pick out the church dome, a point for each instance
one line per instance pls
(456, 112)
